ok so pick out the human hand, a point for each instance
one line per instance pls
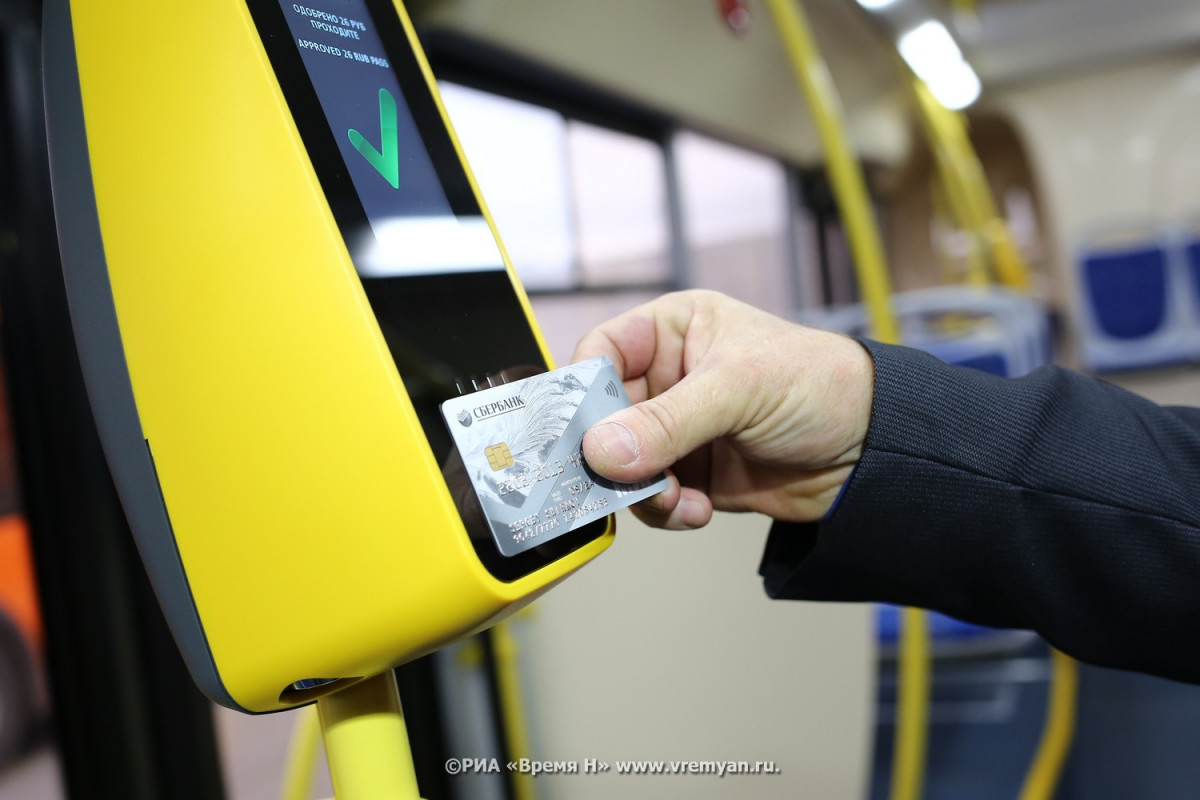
(750, 412)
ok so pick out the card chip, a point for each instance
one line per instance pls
(499, 456)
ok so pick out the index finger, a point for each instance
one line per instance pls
(647, 343)
(629, 342)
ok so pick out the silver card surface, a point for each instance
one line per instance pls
(521, 446)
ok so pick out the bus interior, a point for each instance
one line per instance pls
(1030, 184)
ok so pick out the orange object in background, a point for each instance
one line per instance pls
(18, 594)
(23, 701)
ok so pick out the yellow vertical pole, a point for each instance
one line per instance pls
(961, 171)
(942, 213)
(958, 194)
(366, 742)
(948, 139)
(1011, 266)
(845, 173)
(912, 704)
(1043, 776)
(850, 189)
(302, 755)
(508, 682)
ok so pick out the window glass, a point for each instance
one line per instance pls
(565, 318)
(620, 195)
(584, 213)
(518, 153)
(735, 222)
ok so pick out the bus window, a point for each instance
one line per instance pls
(735, 222)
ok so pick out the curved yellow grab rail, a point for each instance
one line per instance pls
(845, 173)
(966, 186)
(964, 208)
(849, 187)
(1059, 732)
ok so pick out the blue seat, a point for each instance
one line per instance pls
(986, 354)
(992, 329)
(1128, 291)
(1192, 253)
(950, 637)
(1191, 259)
(940, 626)
(1133, 310)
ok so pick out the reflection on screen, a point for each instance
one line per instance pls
(414, 227)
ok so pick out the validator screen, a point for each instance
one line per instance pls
(415, 228)
(397, 187)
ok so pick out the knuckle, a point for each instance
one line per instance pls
(662, 423)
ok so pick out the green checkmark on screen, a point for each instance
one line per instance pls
(387, 160)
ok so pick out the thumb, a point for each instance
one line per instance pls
(639, 442)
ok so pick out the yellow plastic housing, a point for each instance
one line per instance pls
(318, 537)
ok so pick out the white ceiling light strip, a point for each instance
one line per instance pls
(931, 52)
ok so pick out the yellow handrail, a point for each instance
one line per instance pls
(912, 703)
(845, 173)
(301, 765)
(299, 771)
(963, 207)
(1052, 751)
(967, 189)
(849, 188)
(976, 211)
(508, 684)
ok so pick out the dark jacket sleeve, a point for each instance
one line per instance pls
(1053, 502)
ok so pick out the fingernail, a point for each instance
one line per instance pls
(690, 513)
(617, 443)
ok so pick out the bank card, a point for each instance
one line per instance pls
(521, 445)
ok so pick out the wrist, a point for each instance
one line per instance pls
(852, 391)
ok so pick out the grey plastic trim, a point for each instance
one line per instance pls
(101, 353)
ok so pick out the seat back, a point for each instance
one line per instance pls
(1131, 310)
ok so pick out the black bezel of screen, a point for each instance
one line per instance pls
(430, 312)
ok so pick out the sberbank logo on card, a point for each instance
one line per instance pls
(385, 160)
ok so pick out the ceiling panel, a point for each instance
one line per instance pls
(678, 56)
(1030, 39)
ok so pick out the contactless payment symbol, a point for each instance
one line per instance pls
(386, 161)
(499, 456)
